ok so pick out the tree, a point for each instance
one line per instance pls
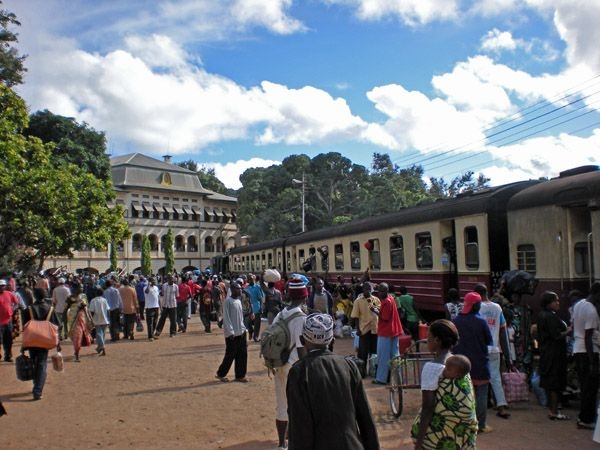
(73, 143)
(439, 188)
(146, 262)
(11, 64)
(49, 207)
(114, 261)
(169, 255)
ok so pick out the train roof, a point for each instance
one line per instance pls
(472, 202)
(575, 187)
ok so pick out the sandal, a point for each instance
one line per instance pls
(503, 414)
(559, 416)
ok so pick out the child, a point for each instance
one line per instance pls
(457, 366)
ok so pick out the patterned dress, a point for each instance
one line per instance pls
(454, 423)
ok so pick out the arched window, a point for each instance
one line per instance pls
(191, 244)
(153, 242)
(136, 243)
(209, 246)
(163, 242)
(179, 244)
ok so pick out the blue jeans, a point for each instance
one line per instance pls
(496, 379)
(6, 339)
(481, 402)
(100, 337)
(39, 359)
(387, 347)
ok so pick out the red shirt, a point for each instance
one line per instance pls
(185, 292)
(7, 300)
(389, 324)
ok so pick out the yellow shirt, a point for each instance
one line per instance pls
(367, 319)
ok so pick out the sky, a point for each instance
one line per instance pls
(506, 88)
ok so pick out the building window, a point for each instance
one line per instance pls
(582, 258)
(471, 248)
(397, 252)
(208, 245)
(424, 252)
(338, 250)
(191, 244)
(179, 244)
(136, 243)
(355, 255)
(526, 259)
(153, 242)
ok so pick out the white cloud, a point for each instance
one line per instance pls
(496, 40)
(229, 173)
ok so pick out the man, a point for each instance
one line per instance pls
(184, 297)
(152, 306)
(320, 299)
(256, 296)
(169, 308)
(322, 414)
(8, 304)
(492, 314)
(388, 330)
(39, 356)
(130, 308)
(586, 323)
(297, 294)
(406, 302)
(236, 347)
(367, 321)
(140, 290)
(99, 310)
(59, 299)
(475, 337)
(115, 303)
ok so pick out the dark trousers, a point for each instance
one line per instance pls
(142, 306)
(256, 327)
(588, 385)
(39, 359)
(182, 316)
(367, 345)
(172, 314)
(151, 320)
(7, 339)
(205, 311)
(236, 349)
(115, 324)
(64, 324)
(129, 325)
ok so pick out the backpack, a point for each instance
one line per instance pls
(275, 342)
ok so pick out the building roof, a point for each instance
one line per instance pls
(140, 171)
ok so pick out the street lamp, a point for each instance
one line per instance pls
(303, 183)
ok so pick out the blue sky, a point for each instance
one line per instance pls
(507, 88)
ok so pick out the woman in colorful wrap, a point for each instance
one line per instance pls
(447, 418)
(80, 320)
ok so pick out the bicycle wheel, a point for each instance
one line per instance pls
(396, 392)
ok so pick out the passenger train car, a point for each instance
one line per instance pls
(544, 227)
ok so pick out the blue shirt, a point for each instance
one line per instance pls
(256, 295)
(474, 338)
(140, 287)
(113, 297)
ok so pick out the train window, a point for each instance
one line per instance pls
(375, 254)
(397, 252)
(324, 252)
(526, 259)
(424, 252)
(582, 258)
(355, 255)
(263, 263)
(471, 248)
(288, 258)
(339, 256)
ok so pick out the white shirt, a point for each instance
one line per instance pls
(59, 297)
(585, 317)
(430, 375)
(152, 297)
(99, 308)
(170, 293)
(492, 313)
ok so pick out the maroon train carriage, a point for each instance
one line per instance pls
(429, 248)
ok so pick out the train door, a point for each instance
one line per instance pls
(449, 262)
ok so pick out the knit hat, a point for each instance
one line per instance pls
(471, 299)
(318, 329)
(296, 289)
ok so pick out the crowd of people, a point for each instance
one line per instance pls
(478, 338)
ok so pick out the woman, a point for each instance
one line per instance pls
(453, 306)
(79, 320)
(447, 418)
(552, 336)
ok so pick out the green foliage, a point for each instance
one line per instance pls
(72, 142)
(207, 177)
(11, 64)
(146, 262)
(114, 261)
(169, 252)
(50, 206)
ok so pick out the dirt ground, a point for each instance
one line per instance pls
(163, 395)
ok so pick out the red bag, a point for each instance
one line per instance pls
(515, 386)
(40, 333)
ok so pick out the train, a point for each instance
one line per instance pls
(542, 227)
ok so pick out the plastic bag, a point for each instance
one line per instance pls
(57, 362)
